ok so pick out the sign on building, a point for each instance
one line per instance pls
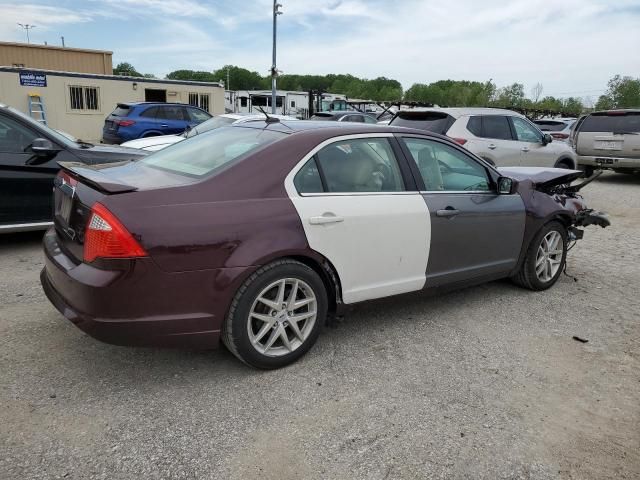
(33, 79)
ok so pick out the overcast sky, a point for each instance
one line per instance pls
(572, 47)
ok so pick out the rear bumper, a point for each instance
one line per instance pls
(138, 305)
(610, 162)
(112, 138)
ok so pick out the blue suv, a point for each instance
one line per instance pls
(146, 119)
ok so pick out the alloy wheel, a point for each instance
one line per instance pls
(282, 317)
(549, 256)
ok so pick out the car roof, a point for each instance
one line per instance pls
(616, 110)
(457, 112)
(333, 129)
(340, 113)
(134, 104)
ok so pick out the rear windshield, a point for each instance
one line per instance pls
(625, 122)
(204, 154)
(321, 116)
(550, 126)
(437, 122)
(211, 124)
(121, 111)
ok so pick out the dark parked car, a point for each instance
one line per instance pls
(147, 119)
(255, 233)
(29, 156)
(344, 116)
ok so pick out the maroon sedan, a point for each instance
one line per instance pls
(257, 233)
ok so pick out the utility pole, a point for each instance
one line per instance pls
(228, 88)
(26, 28)
(62, 38)
(274, 70)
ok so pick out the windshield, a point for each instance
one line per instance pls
(212, 123)
(207, 153)
(58, 137)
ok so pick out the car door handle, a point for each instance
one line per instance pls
(492, 146)
(447, 212)
(164, 125)
(325, 219)
(525, 149)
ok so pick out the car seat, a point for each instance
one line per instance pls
(430, 170)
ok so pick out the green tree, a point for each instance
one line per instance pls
(196, 76)
(572, 106)
(511, 96)
(241, 78)
(126, 69)
(622, 92)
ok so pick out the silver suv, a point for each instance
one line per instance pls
(608, 140)
(502, 137)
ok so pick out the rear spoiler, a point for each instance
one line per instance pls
(92, 176)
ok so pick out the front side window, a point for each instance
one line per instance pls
(350, 166)
(207, 153)
(14, 137)
(445, 168)
(525, 132)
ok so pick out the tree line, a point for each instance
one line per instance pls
(622, 92)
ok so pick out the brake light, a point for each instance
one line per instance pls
(125, 123)
(459, 141)
(106, 237)
(561, 136)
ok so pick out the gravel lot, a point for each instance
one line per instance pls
(482, 383)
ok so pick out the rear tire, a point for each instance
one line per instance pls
(276, 315)
(565, 164)
(588, 170)
(545, 258)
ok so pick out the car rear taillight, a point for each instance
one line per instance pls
(106, 237)
(459, 141)
(125, 123)
(561, 136)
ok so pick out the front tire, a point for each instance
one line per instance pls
(276, 315)
(545, 258)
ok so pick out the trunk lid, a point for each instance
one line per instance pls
(79, 186)
(612, 134)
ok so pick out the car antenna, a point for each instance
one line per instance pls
(269, 119)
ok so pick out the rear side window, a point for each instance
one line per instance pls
(437, 122)
(174, 112)
(151, 112)
(121, 111)
(625, 122)
(496, 126)
(205, 154)
(350, 166)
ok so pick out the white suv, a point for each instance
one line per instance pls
(502, 137)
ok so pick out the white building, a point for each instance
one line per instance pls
(78, 103)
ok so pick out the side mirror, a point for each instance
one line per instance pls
(546, 139)
(43, 150)
(42, 146)
(506, 186)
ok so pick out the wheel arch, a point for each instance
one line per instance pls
(151, 133)
(568, 160)
(323, 267)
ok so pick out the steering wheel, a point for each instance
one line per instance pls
(444, 168)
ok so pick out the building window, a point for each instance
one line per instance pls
(83, 98)
(200, 100)
(204, 101)
(243, 101)
(293, 104)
